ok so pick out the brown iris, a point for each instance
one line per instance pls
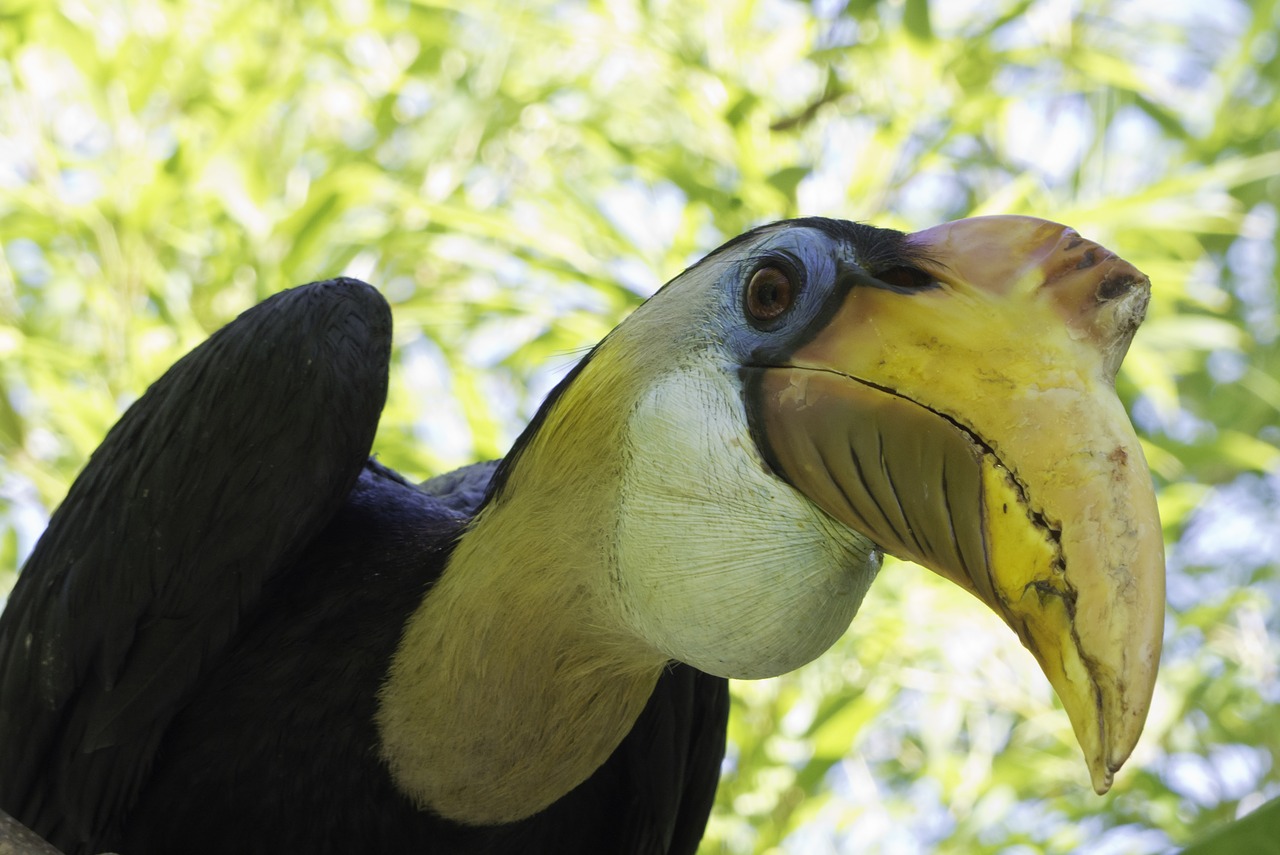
(769, 294)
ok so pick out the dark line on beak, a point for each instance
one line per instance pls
(866, 488)
(951, 525)
(888, 479)
(1037, 517)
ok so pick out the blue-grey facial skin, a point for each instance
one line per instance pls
(824, 259)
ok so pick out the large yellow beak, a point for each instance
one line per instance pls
(972, 426)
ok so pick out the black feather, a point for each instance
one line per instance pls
(190, 659)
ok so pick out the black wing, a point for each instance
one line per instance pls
(209, 485)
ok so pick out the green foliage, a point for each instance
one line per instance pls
(1255, 834)
(516, 176)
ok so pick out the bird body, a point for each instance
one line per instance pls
(240, 633)
(294, 702)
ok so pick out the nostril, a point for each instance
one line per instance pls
(1114, 286)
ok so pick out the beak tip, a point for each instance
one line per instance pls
(1111, 749)
(1102, 771)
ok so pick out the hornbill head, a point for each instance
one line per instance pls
(948, 396)
(717, 481)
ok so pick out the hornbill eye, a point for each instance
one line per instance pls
(769, 294)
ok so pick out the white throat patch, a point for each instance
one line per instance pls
(721, 564)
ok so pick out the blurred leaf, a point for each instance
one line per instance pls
(1258, 833)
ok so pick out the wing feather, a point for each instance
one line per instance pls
(203, 491)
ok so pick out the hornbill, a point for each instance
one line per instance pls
(239, 633)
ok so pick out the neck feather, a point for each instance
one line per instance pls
(638, 525)
(515, 678)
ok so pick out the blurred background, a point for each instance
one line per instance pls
(516, 176)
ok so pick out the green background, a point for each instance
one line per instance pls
(516, 176)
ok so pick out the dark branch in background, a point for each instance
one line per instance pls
(833, 91)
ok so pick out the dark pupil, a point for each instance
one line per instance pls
(769, 295)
